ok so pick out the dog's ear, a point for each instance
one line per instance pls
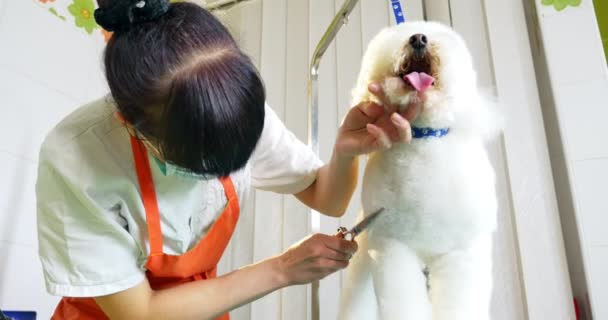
(482, 117)
(490, 119)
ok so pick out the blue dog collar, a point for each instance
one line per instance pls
(419, 133)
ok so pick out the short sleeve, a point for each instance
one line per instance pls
(281, 163)
(84, 247)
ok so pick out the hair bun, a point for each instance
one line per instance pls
(120, 15)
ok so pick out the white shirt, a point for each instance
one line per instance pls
(91, 221)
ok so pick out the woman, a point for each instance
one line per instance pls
(130, 220)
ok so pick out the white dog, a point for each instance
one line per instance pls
(428, 255)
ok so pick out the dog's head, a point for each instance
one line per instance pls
(421, 60)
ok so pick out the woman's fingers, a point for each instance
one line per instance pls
(400, 121)
(360, 115)
(338, 256)
(377, 90)
(340, 249)
(371, 110)
(380, 137)
(370, 127)
(329, 266)
(315, 257)
(404, 129)
(413, 109)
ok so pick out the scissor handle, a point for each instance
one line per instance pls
(343, 232)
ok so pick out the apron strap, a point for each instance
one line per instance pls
(230, 192)
(148, 196)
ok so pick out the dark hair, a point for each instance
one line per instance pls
(182, 82)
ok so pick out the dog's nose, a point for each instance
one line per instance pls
(418, 41)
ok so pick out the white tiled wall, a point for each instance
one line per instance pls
(591, 189)
(574, 43)
(583, 110)
(598, 264)
(578, 79)
(47, 68)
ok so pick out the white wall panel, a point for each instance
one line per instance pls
(296, 218)
(467, 18)
(320, 15)
(538, 231)
(438, 10)
(268, 206)
(413, 10)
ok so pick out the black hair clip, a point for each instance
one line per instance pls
(121, 15)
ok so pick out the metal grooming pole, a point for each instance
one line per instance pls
(313, 115)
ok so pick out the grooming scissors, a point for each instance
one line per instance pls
(357, 229)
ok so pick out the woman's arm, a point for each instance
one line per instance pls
(311, 259)
(335, 184)
(195, 300)
(367, 127)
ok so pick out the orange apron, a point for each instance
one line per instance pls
(164, 270)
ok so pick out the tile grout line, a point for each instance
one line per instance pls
(39, 82)
(590, 159)
(18, 156)
(15, 243)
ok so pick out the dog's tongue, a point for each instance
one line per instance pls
(420, 81)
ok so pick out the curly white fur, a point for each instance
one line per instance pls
(438, 193)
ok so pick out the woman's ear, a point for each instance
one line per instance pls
(120, 118)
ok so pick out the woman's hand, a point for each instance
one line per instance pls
(369, 127)
(314, 258)
(311, 259)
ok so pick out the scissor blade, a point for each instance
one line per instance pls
(365, 222)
